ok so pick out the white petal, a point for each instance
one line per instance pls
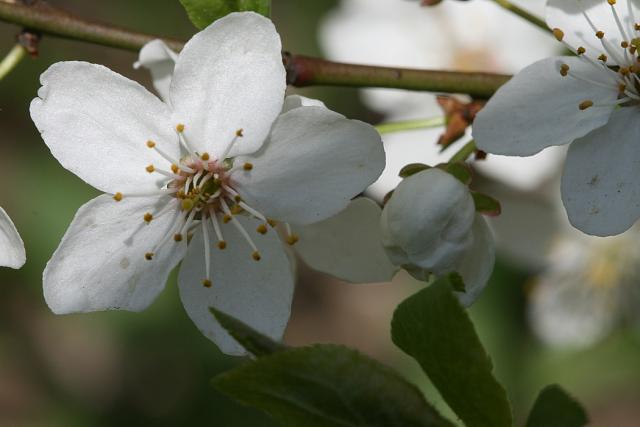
(348, 245)
(100, 263)
(296, 101)
(314, 162)
(12, 252)
(477, 263)
(259, 293)
(538, 108)
(229, 76)
(97, 122)
(156, 57)
(601, 184)
(427, 222)
(567, 15)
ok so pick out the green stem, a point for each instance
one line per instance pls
(506, 4)
(301, 70)
(406, 125)
(13, 58)
(463, 154)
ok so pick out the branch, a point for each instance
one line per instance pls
(301, 70)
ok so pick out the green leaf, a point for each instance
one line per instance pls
(555, 408)
(329, 386)
(204, 12)
(460, 170)
(486, 205)
(412, 169)
(433, 328)
(253, 341)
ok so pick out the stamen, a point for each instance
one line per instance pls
(236, 223)
(252, 211)
(152, 169)
(117, 197)
(623, 33)
(558, 34)
(239, 134)
(216, 227)
(148, 256)
(207, 254)
(183, 141)
(167, 157)
(247, 166)
(187, 223)
(148, 217)
(292, 238)
(585, 104)
(160, 192)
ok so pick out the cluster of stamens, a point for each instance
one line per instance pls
(202, 195)
(623, 77)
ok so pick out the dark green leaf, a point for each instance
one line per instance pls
(555, 408)
(204, 12)
(433, 328)
(329, 386)
(486, 205)
(253, 341)
(412, 169)
(461, 171)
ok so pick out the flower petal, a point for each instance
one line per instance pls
(600, 183)
(539, 108)
(258, 293)
(477, 263)
(12, 252)
(100, 263)
(313, 163)
(229, 76)
(428, 221)
(97, 122)
(568, 16)
(156, 57)
(348, 245)
(296, 101)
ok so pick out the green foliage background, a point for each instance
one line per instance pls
(153, 368)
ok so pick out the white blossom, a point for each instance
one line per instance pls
(589, 101)
(430, 226)
(12, 253)
(201, 177)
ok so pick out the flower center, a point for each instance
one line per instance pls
(618, 66)
(202, 194)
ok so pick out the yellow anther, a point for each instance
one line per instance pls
(624, 44)
(222, 244)
(151, 144)
(564, 70)
(585, 104)
(239, 132)
(624, 71)
(206, 283)
(622, 87)
(256, 256)
(636, 27)
(150, 168)
(148, 256)
(187, 204)
(236, 209)
(205, 156)
(226, 218)
(180, 128)
(603, 57)
(272, 222)
(262, 229)
(117, 197)
(247, 166)
(600, 34)
(177, 237)
(292, 239)
(558, 34)
(148, 217)
(581, 50)
(237, 198)
(611, 2)
(175, 168)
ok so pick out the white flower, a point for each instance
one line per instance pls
(451, 35)
(589, 288)
(591, 101)
(12, 253)
(200, 177)
(430, 225)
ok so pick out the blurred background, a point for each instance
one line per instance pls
(560, 308)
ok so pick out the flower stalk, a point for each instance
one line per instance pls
(407, 125)
(301, 70)
(13, 58)
(513, 8)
